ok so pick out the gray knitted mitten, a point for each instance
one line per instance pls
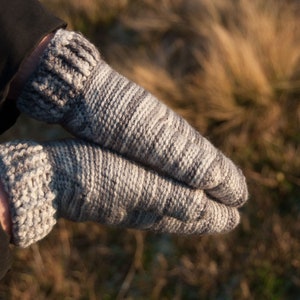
(81, 182)
(74, 86)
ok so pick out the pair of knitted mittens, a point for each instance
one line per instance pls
(135, 162)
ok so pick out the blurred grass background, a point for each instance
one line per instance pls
(232, 69)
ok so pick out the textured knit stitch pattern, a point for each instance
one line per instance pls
(75, 87)
(81, 182)
(26, 174)
(121, 184)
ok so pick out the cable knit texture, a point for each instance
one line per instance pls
(81, 182)
(74, 86)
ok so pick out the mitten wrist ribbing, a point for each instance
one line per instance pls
(67, 62)
(25, 173)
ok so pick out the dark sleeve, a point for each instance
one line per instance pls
(5, 257)
(23, 24)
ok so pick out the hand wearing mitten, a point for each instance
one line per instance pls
(72, 85)
(81, 182)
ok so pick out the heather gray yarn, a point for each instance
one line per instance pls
(74, 86)
(26, 173)
(218, 218)
(81, 182)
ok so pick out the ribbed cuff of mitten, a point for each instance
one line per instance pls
(25, 173)
(59, 78)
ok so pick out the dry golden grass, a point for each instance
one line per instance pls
(232, 68)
